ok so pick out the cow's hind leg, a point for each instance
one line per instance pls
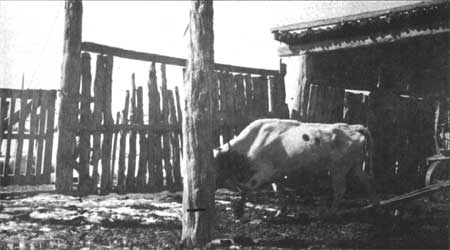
(366, 181)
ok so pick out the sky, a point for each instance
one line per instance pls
(31, 34)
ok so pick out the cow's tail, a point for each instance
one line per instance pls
(368, 151)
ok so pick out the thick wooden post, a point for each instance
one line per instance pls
(122, 146)
(85, 122)
(70, 78)
(199, 182)
(131, 171)
(304, 78)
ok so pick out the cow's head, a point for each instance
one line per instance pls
(233, 169)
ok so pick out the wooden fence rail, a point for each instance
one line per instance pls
(148, 141)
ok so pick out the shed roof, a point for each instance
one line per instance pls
(424, 15)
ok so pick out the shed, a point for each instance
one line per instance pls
(388, 69)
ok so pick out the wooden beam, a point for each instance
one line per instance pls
(359, 16)
(70, 78)
(363, 41)
(149, 57)
(199, 183)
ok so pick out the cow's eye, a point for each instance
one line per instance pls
(305, 137)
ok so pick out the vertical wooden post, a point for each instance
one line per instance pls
(50, 130)
(31, 160)
(70, 78)
(154, 141)
(175, 148)
(304, 77)
(180, 116)
(114, 149)
(199, 182)
(166, 136)
(143, 148)
(106, 180)
(99, 83)
(85, 182)
(131, 171)
(122, 146)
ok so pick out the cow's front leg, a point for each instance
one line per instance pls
(282, 200)
(338, 180)
(239, 205)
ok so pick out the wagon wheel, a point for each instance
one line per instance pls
(438, 171)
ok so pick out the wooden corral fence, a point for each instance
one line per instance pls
(401, 127)
(128, 153)
(26, 138)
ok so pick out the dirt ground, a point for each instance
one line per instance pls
(151, 221)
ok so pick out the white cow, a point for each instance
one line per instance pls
(268, 149)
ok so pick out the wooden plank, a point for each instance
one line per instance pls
(106, 178)
(70, 79)
(311, 114)
(4, 106)
(168, 169)
(8, 168)
(50, 130)
(131, 171)
(21, 131)
(175, 145)
(228, 101)
(31, 159)
(149, 57)
(180, 116)
(141, 180)
(14, 118)
(248, 94)
(239, 100)
(41, 135)
(99, 83)
(85, 183)
(154, 141)
(114, 150)
(122, 146)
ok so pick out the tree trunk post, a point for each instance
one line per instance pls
(199, 182)
(70, 78)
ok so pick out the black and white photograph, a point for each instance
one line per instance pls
(202, 124)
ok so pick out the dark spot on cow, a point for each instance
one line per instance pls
(253, 183)
(305, 137)
(317, 141)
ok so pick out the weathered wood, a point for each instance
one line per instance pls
(114, 149)
(141, 179)
(175, 144)
(199, 186)
(227, 103)
(122, 146)
(248, 94)
(99, 83)
(129, 54)
(154, 140)
(8, 168)
(47, 167)
(106, 179)
(85, 120)
(311, 114)
(71, 72)
(3, 114)
(304, 81)
(31, 160)
(20, 139)
(166, 136)
(131, 171)
(180, 116)
(282, 109)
